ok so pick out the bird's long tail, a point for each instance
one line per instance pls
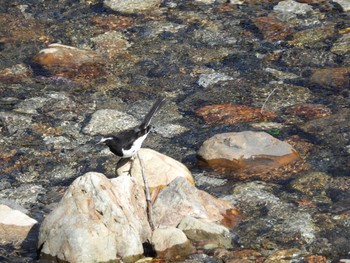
(152, 112)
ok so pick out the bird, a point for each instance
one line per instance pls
(127, 143)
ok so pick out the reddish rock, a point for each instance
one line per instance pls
(19, 29)
(331, 77)
(70, 62)
(272, 28)
(309, 111)
(315, 259)
(15, 74)
(231, 114)
(112, 22)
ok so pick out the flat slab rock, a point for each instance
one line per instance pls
(236, 150)
(14, 225)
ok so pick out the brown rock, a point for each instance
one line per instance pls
(331, 77)
(112, 22)
(272, 28)
(231, 114)
(233, 151)
(70, 62)
(15, 74)
(309, 111)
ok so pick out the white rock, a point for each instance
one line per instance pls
(289, 9)
(206, 80)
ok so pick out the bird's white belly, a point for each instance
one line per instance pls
(135, 147)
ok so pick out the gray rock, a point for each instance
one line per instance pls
(212, 234)
(171, 243)
(132, 6)
(31, 105)
(180, 199)
(25, 194)
(206, 80)
(15, 122)
(289, 9)
(341, 46)
(109, 121)
(96, 213)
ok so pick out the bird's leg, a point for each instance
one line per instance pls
(131, 160)
(147, 193)
(121, 163)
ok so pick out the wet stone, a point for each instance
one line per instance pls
(331, 77)
(272, 28)
(112, 22)
(313, 37)
(16, 73)
(309, 111)
(341, 46)
(70, 62)
(289, 9)
(132, 6)
(109, 121)
(231, 114)
(111, 44)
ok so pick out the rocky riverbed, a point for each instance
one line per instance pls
(72, 71)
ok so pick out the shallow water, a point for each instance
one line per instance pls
(43, 148)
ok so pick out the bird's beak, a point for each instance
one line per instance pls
(100, 142)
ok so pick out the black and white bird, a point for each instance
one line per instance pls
(127, 143)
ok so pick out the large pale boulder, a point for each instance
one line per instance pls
(97, 220)
(235, 150)
(159, 169)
